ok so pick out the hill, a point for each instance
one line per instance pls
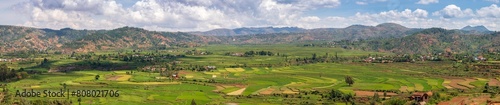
(434, 40)
(476, 28)
(354, 32)
(67, 40)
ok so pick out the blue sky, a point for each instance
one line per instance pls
(202, 15)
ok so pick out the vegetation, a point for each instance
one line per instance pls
(180, 68)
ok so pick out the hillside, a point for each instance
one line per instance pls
(387, 37)
(434, 40)
(68, 40)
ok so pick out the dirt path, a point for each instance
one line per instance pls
(237, 92)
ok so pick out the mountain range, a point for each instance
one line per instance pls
(16, 38)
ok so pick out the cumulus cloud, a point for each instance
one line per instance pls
(167, 14)
(492, 11)
(453, 11)
(202, 15)
(427, 1)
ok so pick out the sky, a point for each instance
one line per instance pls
(204, 15)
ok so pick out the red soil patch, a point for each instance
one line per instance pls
(494, 82)
(463, 100)
(182, 72)
(267, 91)
(370, 94)
(454, 84)
(454, 101)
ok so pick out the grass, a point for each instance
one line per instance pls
(143, 87)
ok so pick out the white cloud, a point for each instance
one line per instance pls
(492, 11)
(202, 15)
(175, 15)
(427, 1)
(453, 11)
(310, 19)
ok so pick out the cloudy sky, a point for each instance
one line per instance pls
(203, 15)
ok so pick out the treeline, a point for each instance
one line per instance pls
(7, 74)
(261, 53)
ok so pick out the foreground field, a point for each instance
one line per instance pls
(294, 77)
(239, 81)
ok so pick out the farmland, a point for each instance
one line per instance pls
(243, 79)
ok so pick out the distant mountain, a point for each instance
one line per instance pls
(476, 28)
(354, 32)
(249, 31)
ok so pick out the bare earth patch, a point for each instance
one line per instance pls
(463, 100)
(237, 92)
(268, 91)
(218, 88)
(455, 83)
(494, 82)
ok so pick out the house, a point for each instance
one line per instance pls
(211, 67)
(237, 54)
(369, 59)
(421, 97)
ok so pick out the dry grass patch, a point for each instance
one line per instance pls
(237, 92)
(124, 77)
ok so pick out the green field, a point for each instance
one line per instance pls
(263, 84)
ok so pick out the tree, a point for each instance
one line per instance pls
(385, 95)
(376, 97)
(193, 102)
(97, 77)
(79, 101)
(349, 80)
